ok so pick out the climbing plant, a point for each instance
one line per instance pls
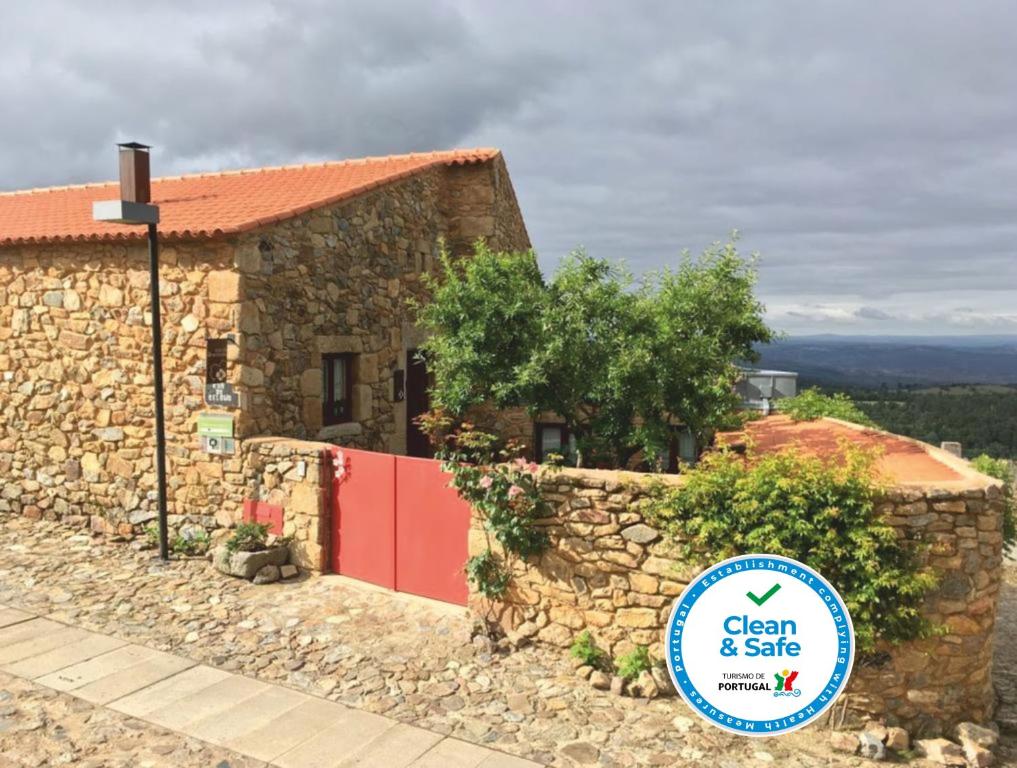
(820, 512)
(501, 487)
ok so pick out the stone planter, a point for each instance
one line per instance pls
(247, 564)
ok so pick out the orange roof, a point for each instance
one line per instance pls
(210, 204)
(900, 459)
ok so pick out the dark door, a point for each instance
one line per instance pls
(417, 403)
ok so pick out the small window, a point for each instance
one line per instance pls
(337, 389)
(554, 438)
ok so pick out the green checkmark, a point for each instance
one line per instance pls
(760, 600)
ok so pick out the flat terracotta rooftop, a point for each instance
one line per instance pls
(902, 459)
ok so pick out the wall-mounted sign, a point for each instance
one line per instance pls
(217, 390)
(222, 395)
(760, 645)
(218, 445)
(215, 425)
(215, 361)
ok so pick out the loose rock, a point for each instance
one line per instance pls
(897, 739)
(871, 746)
(843, 741)
(941, 751)
(267, 574)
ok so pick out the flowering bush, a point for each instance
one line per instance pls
(501, 486)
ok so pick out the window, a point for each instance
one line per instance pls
(554, 438)
(337, 389)
(683, 447)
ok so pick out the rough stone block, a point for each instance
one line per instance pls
(224, 286)
(247, 564)
(941, 751)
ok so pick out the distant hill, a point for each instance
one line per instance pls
(871, 361)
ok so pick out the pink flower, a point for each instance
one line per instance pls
(514, 491)
(485, 481)
(532, 467)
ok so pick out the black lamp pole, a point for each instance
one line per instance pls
(160, 418)
(135, 207)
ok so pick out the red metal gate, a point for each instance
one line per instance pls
(396, 523)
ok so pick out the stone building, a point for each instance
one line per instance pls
(285, 288)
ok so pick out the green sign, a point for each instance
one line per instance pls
(215, 425)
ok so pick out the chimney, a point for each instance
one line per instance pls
(951, 447)
(135, 179)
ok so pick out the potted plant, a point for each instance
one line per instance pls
(250, 552)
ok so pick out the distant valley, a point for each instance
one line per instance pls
(874, 361)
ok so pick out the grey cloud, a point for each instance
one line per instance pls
(864, 148)
(872, 313)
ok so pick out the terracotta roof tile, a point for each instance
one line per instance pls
(212, 204)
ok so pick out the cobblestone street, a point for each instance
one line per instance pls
(409, 659)
(40, 727)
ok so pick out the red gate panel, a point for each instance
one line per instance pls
(432, 527)
(396, 523)
(363, 516)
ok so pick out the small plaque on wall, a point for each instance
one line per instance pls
(222, 395)
(217, 390)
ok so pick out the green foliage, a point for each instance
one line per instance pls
(194, 544)
(585, 649)
(811, 404)
(632, 664)
(619, 362)
(248, 537)
(485, 314)
(983, 419)
(152, 535)
(486, 572)
(1002, 470)
(822, 513)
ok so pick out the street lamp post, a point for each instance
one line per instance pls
(135, 207)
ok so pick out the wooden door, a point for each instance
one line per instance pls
(417, 402)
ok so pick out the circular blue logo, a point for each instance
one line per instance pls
(759, 645)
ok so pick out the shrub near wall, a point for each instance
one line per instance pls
(608, 570)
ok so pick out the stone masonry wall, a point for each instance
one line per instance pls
(340, 279)
(608, 571)
(293, 474)
(76, 400)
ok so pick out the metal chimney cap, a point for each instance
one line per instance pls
(133, 145)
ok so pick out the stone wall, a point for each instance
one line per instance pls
(295, 475)
(75, 379)
(340, 280)
(609, 571)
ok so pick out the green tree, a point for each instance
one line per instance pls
(619, 362)
(485, 317)
(704, 317)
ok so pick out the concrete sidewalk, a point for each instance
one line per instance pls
(278, 725)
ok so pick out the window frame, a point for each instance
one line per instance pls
(538, 442)
(328, 417)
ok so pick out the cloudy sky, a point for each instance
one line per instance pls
(867, 150)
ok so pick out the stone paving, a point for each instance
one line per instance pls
(42, 727)
(412, 660)
(277, 724)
